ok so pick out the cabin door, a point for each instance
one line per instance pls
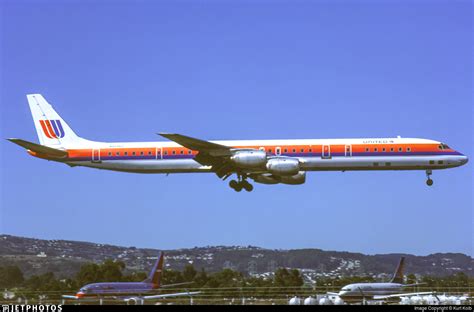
(348, 151)
(95, 155)
(326, 152)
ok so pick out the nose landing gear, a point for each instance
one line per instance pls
(429, 182)
(240, 184)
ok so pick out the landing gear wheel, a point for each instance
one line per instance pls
(247, 186)
(429, 182)
(233, 184)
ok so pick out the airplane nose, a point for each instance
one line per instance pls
(463, 160)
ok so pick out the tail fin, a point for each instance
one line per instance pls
(51, 128)
(398, 275)
(156, 272)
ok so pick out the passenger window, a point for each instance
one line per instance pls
(310, 150)
(367, 149)
(294, 150)
(149, 152)
(440, 162)
(285, 150)
(133, 153)
(141, 153)
(174, 152)
(431, 162)
(408, 149)
(181, 152)
(400, 149)
(302, 150)
(110, 153)
(166, 152)
(190, 152)
(376, 149)
(383, 149)
(391, 149)
(125, 154)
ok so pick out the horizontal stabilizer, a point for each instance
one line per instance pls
(40, 148)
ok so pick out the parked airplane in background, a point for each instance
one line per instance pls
(361, 292)
(264, 161)
(130, 292)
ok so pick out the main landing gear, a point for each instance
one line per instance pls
(429, 182)
(240, 184)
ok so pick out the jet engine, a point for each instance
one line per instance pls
(296, 179)
(283, 166)
(249, 159)
(267, 178)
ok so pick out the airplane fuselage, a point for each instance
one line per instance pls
(314, 155)
(360, 291)
(116, 289)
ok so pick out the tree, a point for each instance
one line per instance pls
(285, 278)
(189, 273)
(11, 276)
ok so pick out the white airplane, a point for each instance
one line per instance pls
(264, 161)
(363, 292)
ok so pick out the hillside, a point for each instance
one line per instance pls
(64, 258)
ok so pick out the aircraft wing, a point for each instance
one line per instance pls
(69, 297)
(210, 154)
(383, 297)
(189, 293)
(202, 146)
(175, 284)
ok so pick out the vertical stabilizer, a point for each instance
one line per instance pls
(156, 272)
(51, 128)
(398, 275)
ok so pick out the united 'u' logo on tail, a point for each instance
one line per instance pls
(52, 128)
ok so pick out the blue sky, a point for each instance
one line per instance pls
(123, 70)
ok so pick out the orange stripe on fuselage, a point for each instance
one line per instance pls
(334, 148)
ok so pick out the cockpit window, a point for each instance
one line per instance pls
(445, 146)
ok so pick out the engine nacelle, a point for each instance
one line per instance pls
(296, 179)
(249, 159)
(267, 178)
(283, 166)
